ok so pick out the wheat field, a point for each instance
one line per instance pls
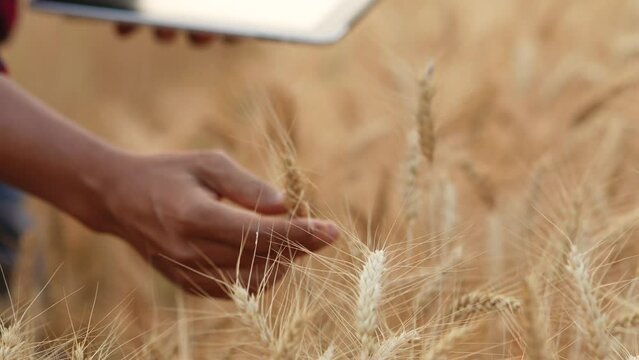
(477, 155)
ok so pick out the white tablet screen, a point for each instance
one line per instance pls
(307, 21)
(290, 15)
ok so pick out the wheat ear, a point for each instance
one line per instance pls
(286, 346)
(440, 348)
(535, 327)
(478, 303)
(368, 302)
(626, 322)
(251, 314)
(12, 344)
(593, 319)
(411, 187)
(389, 347)
(294, 186)
(79, 351)
(425, 120)
(329, 353)
(601, 99)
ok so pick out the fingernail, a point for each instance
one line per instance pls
(276, 198)
(326, 231)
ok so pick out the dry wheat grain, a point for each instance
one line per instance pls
(412, 194)
(623, 323)
(425, 119)
(294, 186)
(251, 314)
(441, 347)
(478, 303)
(287, 344)
(329, 353)
(592, 319)
(391, 346)
(79, 351)
(13, 345)
(370, 292)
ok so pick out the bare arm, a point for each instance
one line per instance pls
(167, 207)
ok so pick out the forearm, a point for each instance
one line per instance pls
(43, 154)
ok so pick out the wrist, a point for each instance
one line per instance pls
(96, 183)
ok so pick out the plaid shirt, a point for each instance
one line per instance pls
(8, 11)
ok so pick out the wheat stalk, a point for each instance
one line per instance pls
(368, 302)
(432, 287)
(535, 328)
(449, 207)
(282, 115)
(382, 200)
(599, 100)
(592, 318)
(184, 346)
(484, 188)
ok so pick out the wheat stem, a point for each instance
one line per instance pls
(535, 327)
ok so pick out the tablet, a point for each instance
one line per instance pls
(307, 21)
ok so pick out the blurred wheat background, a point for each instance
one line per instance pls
(525, 213)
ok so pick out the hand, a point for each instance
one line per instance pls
(168, 35)
(170, 209)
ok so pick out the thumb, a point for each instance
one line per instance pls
(230, 180)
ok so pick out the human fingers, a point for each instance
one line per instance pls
(125, 30)
(217, 221)
(230, 180)
(200, 39)
(164, 34)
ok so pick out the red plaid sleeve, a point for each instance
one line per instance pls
(8, 11)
